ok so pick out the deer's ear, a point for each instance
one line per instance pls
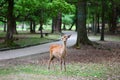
(69, 36)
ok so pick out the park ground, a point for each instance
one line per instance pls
(101, 62)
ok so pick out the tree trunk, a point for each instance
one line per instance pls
(5, 27)
(113, 17)
(56, 23)
(14, 25)
(95, 27)
(59, 23)
(98, 23)
(53, 25)
(103, 20)
(22, 25)
(34, 26)
(74, 21)
(64, 26)
(110, 24)
(93, 23)
(31, 26)
(9, 35)
(41, 28)
(81, 24)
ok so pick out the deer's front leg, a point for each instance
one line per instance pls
(61, 64)
(64, 64)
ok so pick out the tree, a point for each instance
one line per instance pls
(103, 20)
(57, 22)
(94, 14)
(10, 21)
(82, 37)
(57, 8)
(113, 18)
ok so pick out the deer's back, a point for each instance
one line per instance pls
(56, 50)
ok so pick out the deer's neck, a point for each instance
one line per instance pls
(64, 45)
(64, 49)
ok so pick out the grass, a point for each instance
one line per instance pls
(26, 39)
(34, 40)
(73, 70)
(2, 34)
(6, 71)
(106, 37)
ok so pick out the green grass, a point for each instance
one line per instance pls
(85, 70)
(5, 71)
(26, 39)
(31, 41)
(112, 38)
(106, 37)
(2, 34)
(89, 71)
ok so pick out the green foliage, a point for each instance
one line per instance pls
(37, 10)
(67, 19)
(3, 10)
(60, 6)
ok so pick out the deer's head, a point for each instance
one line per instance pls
(65, 37)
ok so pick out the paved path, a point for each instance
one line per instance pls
(35, 49)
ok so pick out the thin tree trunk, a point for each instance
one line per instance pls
(5, 27)
(74, 21)
(34, 26)
(72, 24)
(14, 25)
(93, 23)
(103, 20)
(41, 28)
(95, 27)
(22, 25)
(31, 26)
(114, 17)
(52, 30)
(64, 26)
(98, 24)
(53, 24)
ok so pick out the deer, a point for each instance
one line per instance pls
(59, 51)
